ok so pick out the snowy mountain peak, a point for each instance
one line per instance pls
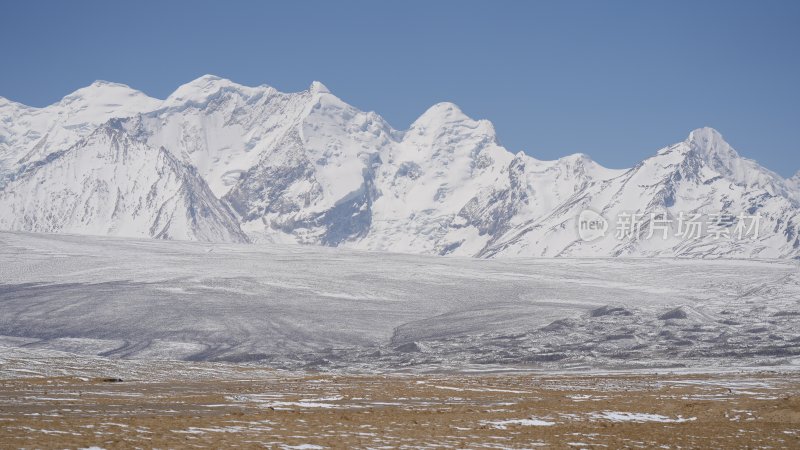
(578, 158)
(705, 134)
(710, 143)
(445, 130)
(220, 161)
(6, 103)
(104, 83)
(443, 112)
(105, 95)
(446, 115)
(200, 89)
(103, 88)
(208, 78)
(318, 88)
(794, 183)
(719, 156)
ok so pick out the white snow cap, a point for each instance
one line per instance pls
(440, 115)
(199, 89)
(318, 88)
(101, 101)
(444, 112)
(445, 126)
(449, 115)
(705, 135)
(103, 92)
(577, 158)
(101, 84)
(6, 102)
(711, 144)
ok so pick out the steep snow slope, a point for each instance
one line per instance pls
(722, 158)
(315, 185)
(223, 128)
(308, 168)
(424, 179)
(794, 183)
(322, 308)
(110, 184)
(678, 179)
(455, 188)
(28, 134)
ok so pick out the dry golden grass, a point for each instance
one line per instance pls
(702, 411)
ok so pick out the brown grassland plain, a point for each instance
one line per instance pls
(514, 410)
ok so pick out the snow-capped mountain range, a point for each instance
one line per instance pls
(217, 161)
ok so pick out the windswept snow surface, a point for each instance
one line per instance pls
(301, 307)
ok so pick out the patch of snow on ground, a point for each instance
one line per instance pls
(616, 416)
(531, 422)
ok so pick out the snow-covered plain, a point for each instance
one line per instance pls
(301, 307)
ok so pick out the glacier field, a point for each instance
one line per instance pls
(333, 309)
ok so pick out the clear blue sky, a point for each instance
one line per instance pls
(614, 79)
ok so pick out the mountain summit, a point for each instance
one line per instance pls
(218, 161)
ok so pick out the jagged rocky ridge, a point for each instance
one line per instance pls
(217, 161)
